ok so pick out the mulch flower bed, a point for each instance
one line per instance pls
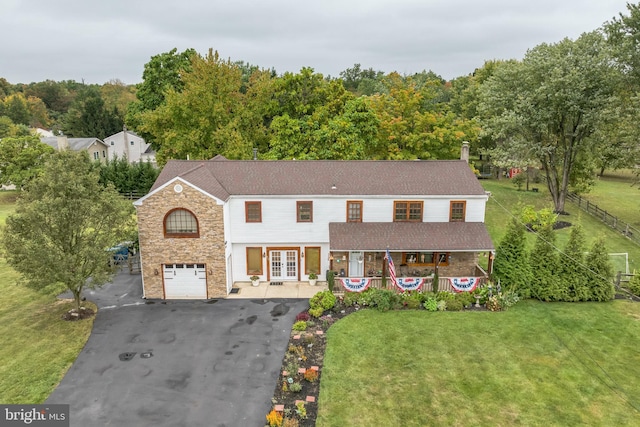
(305, 352)
(299, 379)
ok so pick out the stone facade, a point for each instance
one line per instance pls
(157, 250)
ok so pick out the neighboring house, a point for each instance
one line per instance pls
(128, 144)
(205, 225)
(43, 133)
(97, 149)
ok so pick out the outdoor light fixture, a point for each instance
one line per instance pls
(155, 272)
(302, 254)
(344, 257)
(264, 254)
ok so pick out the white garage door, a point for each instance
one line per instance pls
(187, 281)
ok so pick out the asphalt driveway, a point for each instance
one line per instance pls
(183, 363)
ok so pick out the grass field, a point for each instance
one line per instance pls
(536, 364)
(38, 347)
(505, 198)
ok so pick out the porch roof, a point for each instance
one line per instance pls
(410, 236)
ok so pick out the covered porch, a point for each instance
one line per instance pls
(450, 250)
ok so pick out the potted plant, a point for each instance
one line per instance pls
(313, 277)
(255, 280)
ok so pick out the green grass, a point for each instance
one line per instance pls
(615, 193)
(38, 347)
(537, 364)
(505, 198)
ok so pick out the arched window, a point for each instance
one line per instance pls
(181, 223)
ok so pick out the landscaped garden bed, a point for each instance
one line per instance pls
(295, 398)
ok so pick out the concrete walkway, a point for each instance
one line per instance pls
(267, 291)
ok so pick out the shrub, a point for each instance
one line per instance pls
(274, 419)
(384, 299)
(290, 422)
(444, 296)
(331, 279)
(441, 305)
(311, 375)
(431, 304)
(301, 410)
(304, 316)
(634, 284)
(507, 299)
(309, 338)
(295, 387)
(465, 298)
(412, 300)
(366, 297)
(300, 325)
(350, 298)
(316, 312)
(493, 303)
(320, 302)
(454, 305)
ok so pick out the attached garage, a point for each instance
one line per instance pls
(185, 281)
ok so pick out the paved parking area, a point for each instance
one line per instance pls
(186, 363)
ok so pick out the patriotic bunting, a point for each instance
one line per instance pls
(464, 284)
(355, 285)
(410, 283)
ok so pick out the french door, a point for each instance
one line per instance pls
(283, 264)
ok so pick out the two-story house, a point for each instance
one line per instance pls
(128, 144)
(97, 149)
(206, 225)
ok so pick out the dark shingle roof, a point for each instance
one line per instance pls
(222, 178)
(407, 236)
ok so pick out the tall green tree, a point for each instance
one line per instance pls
(64, 222)
(600, 275)
(90, 117)
(411, 127)
(163, 73)
(205, 118)
(551, 103)
(22, 159)
(572, 266)
(128, 177)
(511, 265)
(543, 259)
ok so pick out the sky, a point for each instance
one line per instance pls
(96, 41)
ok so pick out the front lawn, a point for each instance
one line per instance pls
(536, 364)
(37, 346)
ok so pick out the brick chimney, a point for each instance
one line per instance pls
(464, 151)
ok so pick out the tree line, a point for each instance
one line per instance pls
(569, 108)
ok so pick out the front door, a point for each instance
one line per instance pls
(284, 264)
(356, 264)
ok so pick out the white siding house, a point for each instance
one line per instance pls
(281, 220)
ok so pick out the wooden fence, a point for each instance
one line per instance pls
(624, 228)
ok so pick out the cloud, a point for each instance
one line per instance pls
(99, 41)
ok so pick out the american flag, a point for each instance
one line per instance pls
(392, 268)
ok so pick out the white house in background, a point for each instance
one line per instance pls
(97, 149)
(128, 144)
(43, 133)
(206, 225)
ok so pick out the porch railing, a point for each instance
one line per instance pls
(444, 284)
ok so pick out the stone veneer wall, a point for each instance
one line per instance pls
(461, 264)
(157, 250)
